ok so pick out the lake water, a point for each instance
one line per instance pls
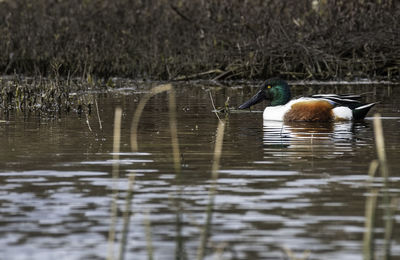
(299, 186)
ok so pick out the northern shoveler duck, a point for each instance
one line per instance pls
(318, 108)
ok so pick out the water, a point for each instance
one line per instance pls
(297, 186)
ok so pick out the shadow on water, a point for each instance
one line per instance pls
(283, 189)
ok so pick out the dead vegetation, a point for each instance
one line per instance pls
(46, 96)
(218, 39)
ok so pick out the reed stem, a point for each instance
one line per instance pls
(139, 111)
(127, 217)
(174, 138)
(174, 131)
(380, 148)
(149, 241)
(115, 176)
(213, 190)
(368, 241)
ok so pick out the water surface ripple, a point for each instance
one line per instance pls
(299, 186)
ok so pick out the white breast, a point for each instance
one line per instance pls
(277, 113)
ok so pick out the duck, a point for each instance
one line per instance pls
(317, 108)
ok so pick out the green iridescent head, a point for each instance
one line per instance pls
(276, 90)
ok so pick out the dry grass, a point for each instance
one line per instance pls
(371, 206)
(115, 177)
(201, 39)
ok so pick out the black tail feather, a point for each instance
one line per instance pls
(360, 112)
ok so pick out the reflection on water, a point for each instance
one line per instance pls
(296, 185)
(303, 139)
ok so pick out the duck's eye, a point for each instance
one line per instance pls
(269, 86)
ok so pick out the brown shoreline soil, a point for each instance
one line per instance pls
(221, 40)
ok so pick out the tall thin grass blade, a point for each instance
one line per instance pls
(373, 167)
(139, 110)
(149, 242)
(179, 248)
(389, 226)
(180, 252)
(127, 217)
(115, 176)
(370, 209)
(368, 241)
(174, 131)
(380, 148)
(174, 141)
(213, 189)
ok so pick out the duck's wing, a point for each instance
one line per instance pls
(351, 101)
(345, 96)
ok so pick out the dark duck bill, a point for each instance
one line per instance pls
(257, 98)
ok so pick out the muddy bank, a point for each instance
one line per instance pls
(201, 39)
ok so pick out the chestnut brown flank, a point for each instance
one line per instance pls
(311, 111)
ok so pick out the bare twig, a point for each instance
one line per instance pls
(184, 17)
(212, 103)
(198, 75)
(98, 114)
(87, 121)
